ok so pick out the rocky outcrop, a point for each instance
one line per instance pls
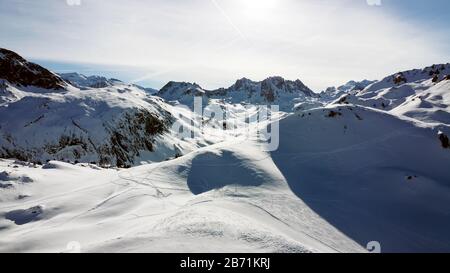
(445, 142)
(269, 91)
(18, 71)
(399, 79)
(125, 138)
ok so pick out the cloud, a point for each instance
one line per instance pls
(214, 42)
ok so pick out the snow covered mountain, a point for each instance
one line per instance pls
(332, 93)
(271, 91)
(82, 81)
(435, 73)
(118, 125)
(412, 87)
(365, 162)
(20, 72)
(88, 82)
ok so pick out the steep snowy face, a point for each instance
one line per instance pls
(273, 90)
(82, 81)
(18, 71)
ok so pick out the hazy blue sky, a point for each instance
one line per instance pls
(215, 42)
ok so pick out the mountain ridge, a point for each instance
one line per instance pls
(17, 70)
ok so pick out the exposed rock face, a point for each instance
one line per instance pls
(272, 87)
(399, 78)
(269, 91)
(133, 133)
(444, 140)
(174, 90)
(20, 72)
(123, 139)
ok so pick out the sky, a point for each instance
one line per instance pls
(215, 42)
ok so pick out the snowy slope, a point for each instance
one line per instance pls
(372, 175)
(436, 73)
(182, 205)
(388, 93)
(431, 106)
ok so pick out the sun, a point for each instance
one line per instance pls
(259, 4)
(257, 9)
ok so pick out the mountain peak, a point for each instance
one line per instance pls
(242, 84)
(82, 81)
(177, 90)
(335, 92)
(16, 70)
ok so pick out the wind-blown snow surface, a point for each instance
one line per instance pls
(371, 175)
(222, 198)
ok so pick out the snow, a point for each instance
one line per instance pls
(152, 209)
(431, 106)
(411, 76)
(331, 187)
(371, 175)
(271, 91)
(82, 81)
(352, 167)
(88, 116)
(332, 93)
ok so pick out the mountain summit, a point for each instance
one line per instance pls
(82, 81)
(16, 70)
(273, 90)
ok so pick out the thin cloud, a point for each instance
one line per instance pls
(214, 42)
